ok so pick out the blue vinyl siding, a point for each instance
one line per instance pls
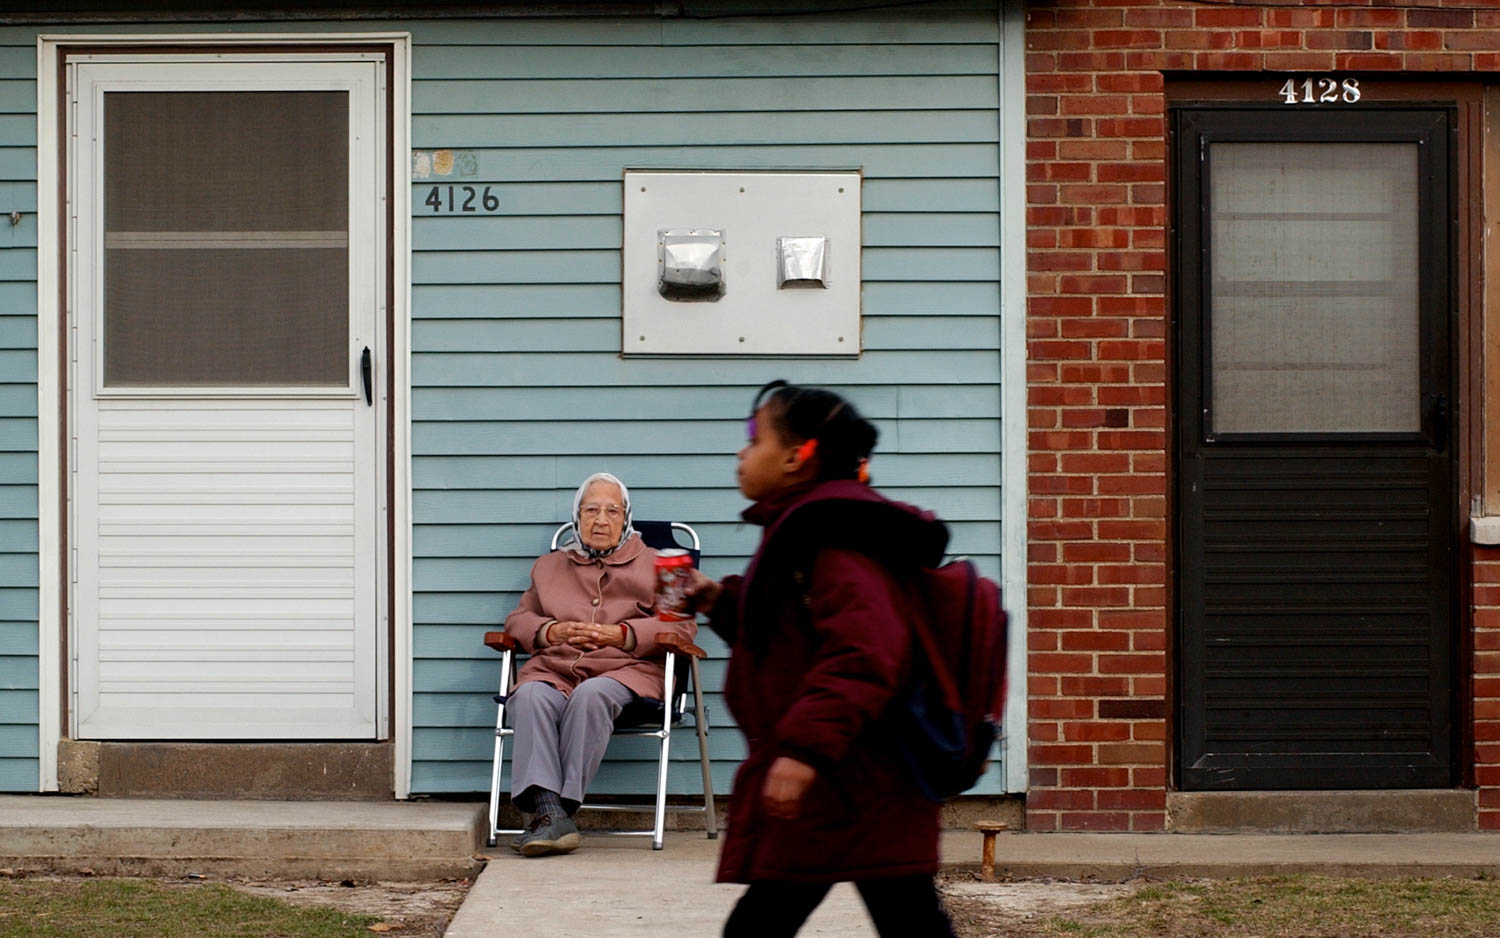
(19, 763)
(518, 388)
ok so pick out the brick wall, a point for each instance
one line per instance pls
(1096, 216)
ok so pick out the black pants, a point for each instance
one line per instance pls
(906, 906)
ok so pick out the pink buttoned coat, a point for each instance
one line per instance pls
(618, 589)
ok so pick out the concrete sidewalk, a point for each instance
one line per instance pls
(619, 886)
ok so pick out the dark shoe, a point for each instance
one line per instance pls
(548, 835)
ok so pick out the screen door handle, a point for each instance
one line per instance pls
(1441, 416)
(364, 373)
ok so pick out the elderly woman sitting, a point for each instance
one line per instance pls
(588, 621)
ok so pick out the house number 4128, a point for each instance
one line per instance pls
(1319, 91)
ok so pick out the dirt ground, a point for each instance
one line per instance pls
(413, 910)
(981, 910)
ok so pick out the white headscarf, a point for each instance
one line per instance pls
(576, 544)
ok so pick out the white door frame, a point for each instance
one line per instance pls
(51, 404)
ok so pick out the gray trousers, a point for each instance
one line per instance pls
(560, 738)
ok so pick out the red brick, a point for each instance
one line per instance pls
(1093, 686)
(1302, 19)
(1094, 237)
(1131, 573)
(1061, 663)
(1039, 821)
(1270, 39)
(1131, 620)
(1199, 39)
(1093, 149)
(1095, 777)
(1096, 732)
(1058, 260)
(1095, 821)
(1069, 799)
(1228, 61)
(1356, 19)
(1094, 194)
(1090, 61)
(1060, 530)
(1060, 395)
(1157, 61)
(1145, 776)
(1174, 18)
(1367, 61)
(1148, 641)
(1127, 39)
(1057, 82)
(1410, 40)
(1043, 732)
(1148, 821)
(1340, 41)
(1096, 595)
(1136, 171)
(1088, 18)
(1437, 61)
(1071, 574)
(1095, 329)
(1132, 664)
(1129, 127)
(1053, 40)
(1225, 17)
(1299, 61)
(1095, 640)
(1095, 552)
(1060, 755)
(1062, 709)
(1074, 283)
(1440, 19)
(1127, 753)
(1133, 800)
(1060, 618)
(1149, 730)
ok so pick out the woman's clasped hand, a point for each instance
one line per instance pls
(587, 635)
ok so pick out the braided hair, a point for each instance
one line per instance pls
(844, 439)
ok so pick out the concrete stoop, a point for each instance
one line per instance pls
(1407, 811)
(324, 840)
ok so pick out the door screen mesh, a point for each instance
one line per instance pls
(226, 257)
(1313, 306)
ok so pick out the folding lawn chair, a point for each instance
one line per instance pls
(645, 718)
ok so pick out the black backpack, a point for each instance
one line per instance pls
(949, 718)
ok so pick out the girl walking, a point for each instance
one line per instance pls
(820, 647)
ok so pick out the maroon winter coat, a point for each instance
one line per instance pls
(819, 648)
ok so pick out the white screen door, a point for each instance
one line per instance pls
(226, 281)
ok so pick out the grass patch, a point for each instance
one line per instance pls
(126, 908)
(1290, 907)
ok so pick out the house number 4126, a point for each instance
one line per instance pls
(1319, 91)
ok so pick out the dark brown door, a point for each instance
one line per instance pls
(1315, 476)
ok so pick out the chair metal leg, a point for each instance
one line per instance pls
(498, 762)
(658, 831)
(710, 819)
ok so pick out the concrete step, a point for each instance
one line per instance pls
(392, 841)
(1407, 811)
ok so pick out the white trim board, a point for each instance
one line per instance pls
(1011, 75)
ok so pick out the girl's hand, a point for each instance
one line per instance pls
(786, 783)
(702, 590)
